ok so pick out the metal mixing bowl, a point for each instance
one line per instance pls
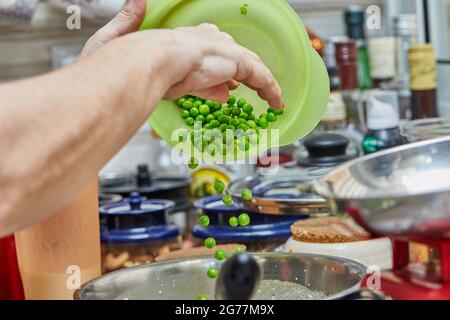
(401, 191)
(186, 279)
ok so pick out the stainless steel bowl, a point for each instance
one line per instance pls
(186, 279)
(401, 191)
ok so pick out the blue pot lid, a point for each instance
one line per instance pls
(137, 205)
(215, 205)
(140, 235)
(245, 234)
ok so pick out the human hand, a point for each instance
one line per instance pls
(208, 63)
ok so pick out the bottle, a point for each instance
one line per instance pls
(346, 57)
(382, 61)
(354, 20)
(58, 255)
(406, 33)
(422, 69)
(382, 122)
(335, 117)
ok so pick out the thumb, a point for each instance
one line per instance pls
(126, 21)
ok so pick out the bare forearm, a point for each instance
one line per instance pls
(60, 129)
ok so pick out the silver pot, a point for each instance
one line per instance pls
(398, 192)
(321, 277)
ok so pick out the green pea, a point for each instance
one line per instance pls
(180, 101)
(210, 243)
(219, 186)
(231, 127)
(241, 103)
(231, 100)
(243, 127)
(263, 116)
(226, 111)
(234, 122)
(189, 121)
(248, 108)
(244, 220)
(202, 298)
(238, 250)
(197, 104)
(262, 123)
(251, 116)
(185, 114)
(215, 124)
(204, 109)
(270, 110)
(251, 124)
(271, 117)
(200, 118)
(234, 222)
(220, 255)
(224, 119)
(193, 163)
(279, 112)
(187, 105)
(210, 118)
(209, 103)
(217, 106)
(235, 111)
(243, 115)
(217, 114)
(223, 127)
(227, 200)
(213, 273)
(191, 99)
(194, 112)
(246, 195)
(204, 221)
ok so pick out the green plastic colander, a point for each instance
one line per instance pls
(273, 30)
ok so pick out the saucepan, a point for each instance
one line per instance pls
(282, 277)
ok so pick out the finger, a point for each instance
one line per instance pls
(257, 76)
(233, 84)
(217, 93)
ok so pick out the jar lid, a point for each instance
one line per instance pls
(287, 193)
(245, 234)
(140, 235)
(137, 205)
(325, 150)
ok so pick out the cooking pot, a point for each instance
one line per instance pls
(327, 277)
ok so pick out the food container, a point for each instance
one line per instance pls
(302, 76)
(288, 191)
(425, 129)
(174, 188)
(135, 231)
(284, 277)
(265, 232)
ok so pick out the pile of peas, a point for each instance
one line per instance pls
(236, 116)
(243, 220)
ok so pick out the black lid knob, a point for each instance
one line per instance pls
(239, 278)
(326, 150)
(144, 178)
